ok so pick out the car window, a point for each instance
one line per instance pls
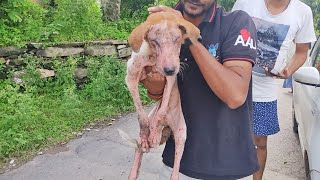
(315, 55)
(317, 64)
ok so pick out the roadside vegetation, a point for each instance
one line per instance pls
(36, 112)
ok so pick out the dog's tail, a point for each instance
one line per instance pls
(129, 141)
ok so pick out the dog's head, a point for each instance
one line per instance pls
(161, 36)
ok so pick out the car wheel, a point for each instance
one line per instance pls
(294, 121)
(306, 166)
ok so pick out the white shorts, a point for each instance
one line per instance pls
(165, 173)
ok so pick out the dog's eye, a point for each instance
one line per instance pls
(154, 43)
(176, 39)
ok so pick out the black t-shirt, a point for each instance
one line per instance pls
(219, 143)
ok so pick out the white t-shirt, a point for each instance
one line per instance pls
(275, 35)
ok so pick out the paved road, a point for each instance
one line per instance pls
(101, 154)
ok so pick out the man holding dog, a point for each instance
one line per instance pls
(215, 90)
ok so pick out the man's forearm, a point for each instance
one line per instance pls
(229, 83)
(297, 61)
(298, 58)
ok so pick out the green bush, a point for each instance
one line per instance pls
(79, 20)
(46, 111)
(315, 7)
(130, 9)
(21, 21)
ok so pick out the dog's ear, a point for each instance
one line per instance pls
(137, 36)
(188, 30)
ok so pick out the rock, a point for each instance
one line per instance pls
(121, 46)
(101, 50)
(2, 61)
(45, 73)
(17, 77)
(72, 44)
(125, 52)
(12, 161)
(18, 81)
(13, 56)
(40, 153)
(79, 134)
(16, 62)
(9, 51)
(81, 73)
(108, 42)
(59, 52)
(35, 45)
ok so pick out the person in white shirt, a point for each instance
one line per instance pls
(278, 23)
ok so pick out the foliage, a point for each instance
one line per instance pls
(65, 20)
(43, 112)
(227, 4)
(79, 20)
(132, 9)
(21, 20)
(315, 7)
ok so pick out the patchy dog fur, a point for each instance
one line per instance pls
(157, 43)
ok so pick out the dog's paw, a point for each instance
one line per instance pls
(174, 177)
(154, 138)
(144, 144)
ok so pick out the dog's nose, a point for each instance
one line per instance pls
(169, 71)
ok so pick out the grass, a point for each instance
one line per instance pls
(44, 112)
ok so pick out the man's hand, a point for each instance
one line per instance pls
(285, 73)
(165, 9)
(154, 83)
(282, 75)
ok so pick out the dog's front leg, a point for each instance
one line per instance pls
(134, 72)
(159, 119)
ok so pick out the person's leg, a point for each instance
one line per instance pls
(261, 143)
(265, 123)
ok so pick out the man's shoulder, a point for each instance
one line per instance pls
(238, 13)
(236, 17)
(300, 6)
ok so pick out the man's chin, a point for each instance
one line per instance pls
(192, 13)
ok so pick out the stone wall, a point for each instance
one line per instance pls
(92, 48)
(10, 55)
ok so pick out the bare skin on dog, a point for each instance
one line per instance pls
(157, 43)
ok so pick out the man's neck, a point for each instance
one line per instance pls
(194, 20)
(278, 3)
(277, 6)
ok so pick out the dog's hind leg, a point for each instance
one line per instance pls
(134, 173)
(159, 119)
(180, 135)
(178, 126)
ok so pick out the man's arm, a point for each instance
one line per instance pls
(298, 59)
(229, 81)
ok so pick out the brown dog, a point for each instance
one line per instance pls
(156, 43)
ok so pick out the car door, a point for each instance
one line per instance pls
(314, 134)
(306, 101)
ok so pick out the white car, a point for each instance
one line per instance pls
(306, 111)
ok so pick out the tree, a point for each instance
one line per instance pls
(315, 7)
(227, 4)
